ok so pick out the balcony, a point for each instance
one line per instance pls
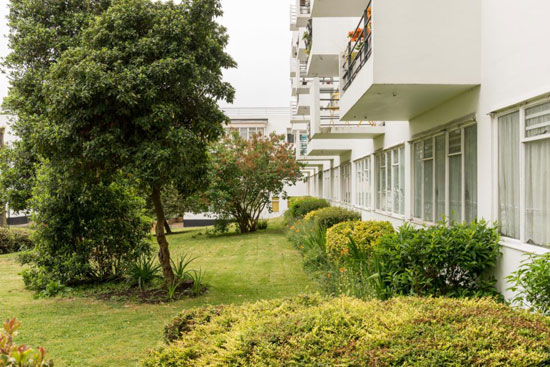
(304, 104)
(324, 38)
(327, 147)
(406, 57)
(336, 8)
(325, 116)
(303, 12)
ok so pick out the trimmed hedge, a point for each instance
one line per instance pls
(327, 217)
(314, 331)
(299, 207)
(366, 235)
(12, 240)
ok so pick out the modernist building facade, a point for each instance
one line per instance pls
(414, 111)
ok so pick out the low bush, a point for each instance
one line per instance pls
(12, 240)
(327, 217)
(532, 284)
(299, 207)
(12, 355)
(262, 224)
(314, 331)
(440, 260)
(365, 234)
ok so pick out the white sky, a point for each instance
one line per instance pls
(259, 42)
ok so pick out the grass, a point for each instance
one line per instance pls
(86, 332)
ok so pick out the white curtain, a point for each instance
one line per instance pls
(537, 198)
(508, 174)
(428, 179)
(440, 190)
(418, 148)
(455, 175)
(470, 173)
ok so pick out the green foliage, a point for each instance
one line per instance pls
(365, 234)
(314, 331)
(87, 233)
(181, 266)
(142, 272)
(221, 225)
(12, 355)
(328, 217)
(532, 284)
(198, 287)
(440, 260)
(12, 240)
(299, 207)
(245, 174)
(263, 224)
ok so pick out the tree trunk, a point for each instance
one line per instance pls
(167, 227)
(164, 252)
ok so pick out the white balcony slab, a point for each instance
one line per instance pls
(337, 8)
(421, 55)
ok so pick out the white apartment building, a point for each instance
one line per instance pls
(418, 110)
(250, 121)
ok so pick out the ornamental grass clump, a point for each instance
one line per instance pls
(317, 331)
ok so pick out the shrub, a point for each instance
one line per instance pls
(263, 224)
(314, 331)
(85, 233)
(299, 207)
(328, 217)
(12, 240)
(143, 271)
(532, 282)
(365, 234)
(12, 355)
(440, 260)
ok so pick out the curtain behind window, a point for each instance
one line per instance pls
(508, 174)
(537, 192)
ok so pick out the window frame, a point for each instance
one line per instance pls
(389, 178)
(363, 182)
(523, 141)
(433, 136)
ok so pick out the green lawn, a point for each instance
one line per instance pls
(86, 332)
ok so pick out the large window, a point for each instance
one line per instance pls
(345, 185)
(326, 184)
(445, 176)
(390, 182)
(363, 182)
(249, 132)
(524, 151)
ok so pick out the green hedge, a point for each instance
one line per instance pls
(327, 217)
(314, 331)
(366, 234)
(12, 240)
(440, 260)
(299, 207)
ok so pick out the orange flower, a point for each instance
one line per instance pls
(292, 227)
(346, 250)
(342, 270)
(328, 275)
(341, 253)
(297, 231)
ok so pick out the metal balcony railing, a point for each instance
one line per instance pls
(359, 48)
(305, 7)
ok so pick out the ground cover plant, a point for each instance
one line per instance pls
(315, 331)
(76, 328)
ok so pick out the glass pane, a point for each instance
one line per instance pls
(440, 190)
(455, 140)
(396, 185)
(428, 148)
(389, 197)
(418, 152)
(508, 175)
(455, 188)
(428, 190)
(537, 192)
(470, 172)
(537, 120)
(243, 132)
(402, 181)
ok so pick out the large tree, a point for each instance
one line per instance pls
(40, 31)
(140, 94)
(246, 174)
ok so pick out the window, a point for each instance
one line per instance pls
(303, 144)
(326, 185)
(390, 182)
(335, 180)
(345, 185)
(249, 132)
(445, 176)
(363, 182)
(524, 151)
(275, 204)
(289, 136)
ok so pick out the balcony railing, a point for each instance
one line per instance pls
(330, 105)
(359, 48)
(305, 7)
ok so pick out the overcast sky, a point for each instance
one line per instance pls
(259, 42)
